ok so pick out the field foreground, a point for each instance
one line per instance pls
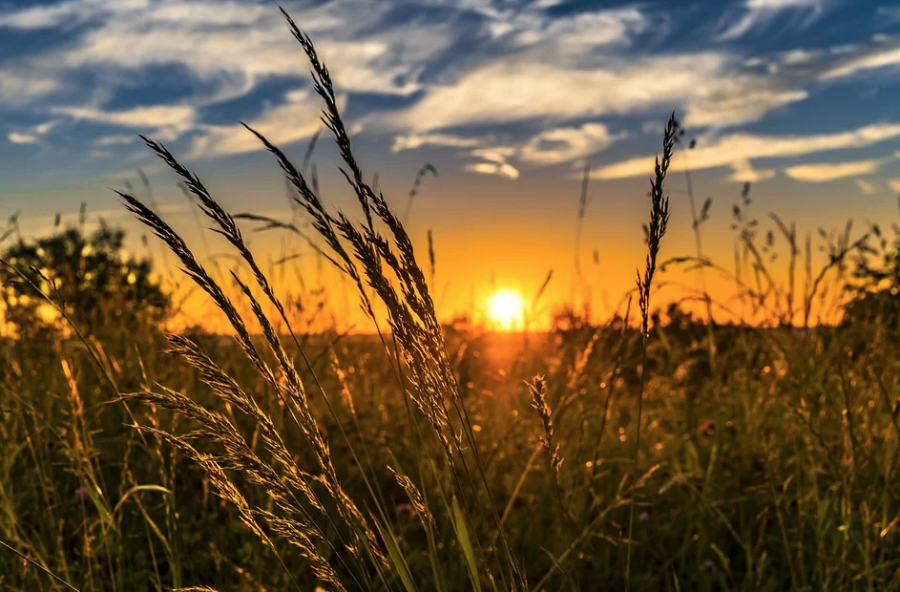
(774, 471)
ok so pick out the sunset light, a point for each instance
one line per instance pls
(506, 310)
(417, 295)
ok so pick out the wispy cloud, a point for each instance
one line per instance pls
(757, 14)
(114, 140)
(138, 117)
(894, 184)
(18, 87)
(230, 45)
(745, 173)
(33, 134)
(879, 57)
(830, 171)
(414, 141)
(569, 143)
(575, 34)
(549, 147)
(494, 168)
(294, 120)
(739, 148)
(707, 84)
(19, 138)
(865, 187)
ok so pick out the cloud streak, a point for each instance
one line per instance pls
(739, 148)
(760, 13)
(831, 171)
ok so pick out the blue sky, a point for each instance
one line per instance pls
(507, 98)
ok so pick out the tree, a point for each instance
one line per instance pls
(100, 286)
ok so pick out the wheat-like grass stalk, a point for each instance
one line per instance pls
(653, 233)
(538, 389)
(292, 394)
(414, 190)
(411, 312)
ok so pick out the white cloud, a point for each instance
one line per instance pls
(413, 141)
(231, 46)
(870, 60)
(33, 134)
(742, 147)
(19, 138)
(498, 154)
(65, 13)
(493, 168)
(114, 140)
(894, 184)
(707, 84)
(759, 13)
(138, 117)
(745, 173)
(226, 47)
(865, 187)
(294, 120)
(552, 146)
(44, 128)
(818, 173)
(571, 34)
(564, 144)
(19, 88)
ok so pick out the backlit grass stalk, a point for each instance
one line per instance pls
(578, 278)
(538, 389)
(296, 390)
(412, 317)
(653, 233)
(292, 394)
(414, 190)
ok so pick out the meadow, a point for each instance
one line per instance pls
(657, 450)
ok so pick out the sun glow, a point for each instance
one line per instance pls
(506, 310)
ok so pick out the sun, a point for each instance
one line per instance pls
(506, 309)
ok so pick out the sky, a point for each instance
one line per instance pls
(507, 99)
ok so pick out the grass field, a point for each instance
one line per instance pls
(656, 451)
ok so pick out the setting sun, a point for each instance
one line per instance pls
(506, 309)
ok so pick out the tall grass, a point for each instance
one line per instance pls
(416, 459)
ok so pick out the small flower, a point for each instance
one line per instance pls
(644, 517)
(709, 566)
(406, 510)
(81, 494)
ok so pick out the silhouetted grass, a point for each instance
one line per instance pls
(670, 454)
